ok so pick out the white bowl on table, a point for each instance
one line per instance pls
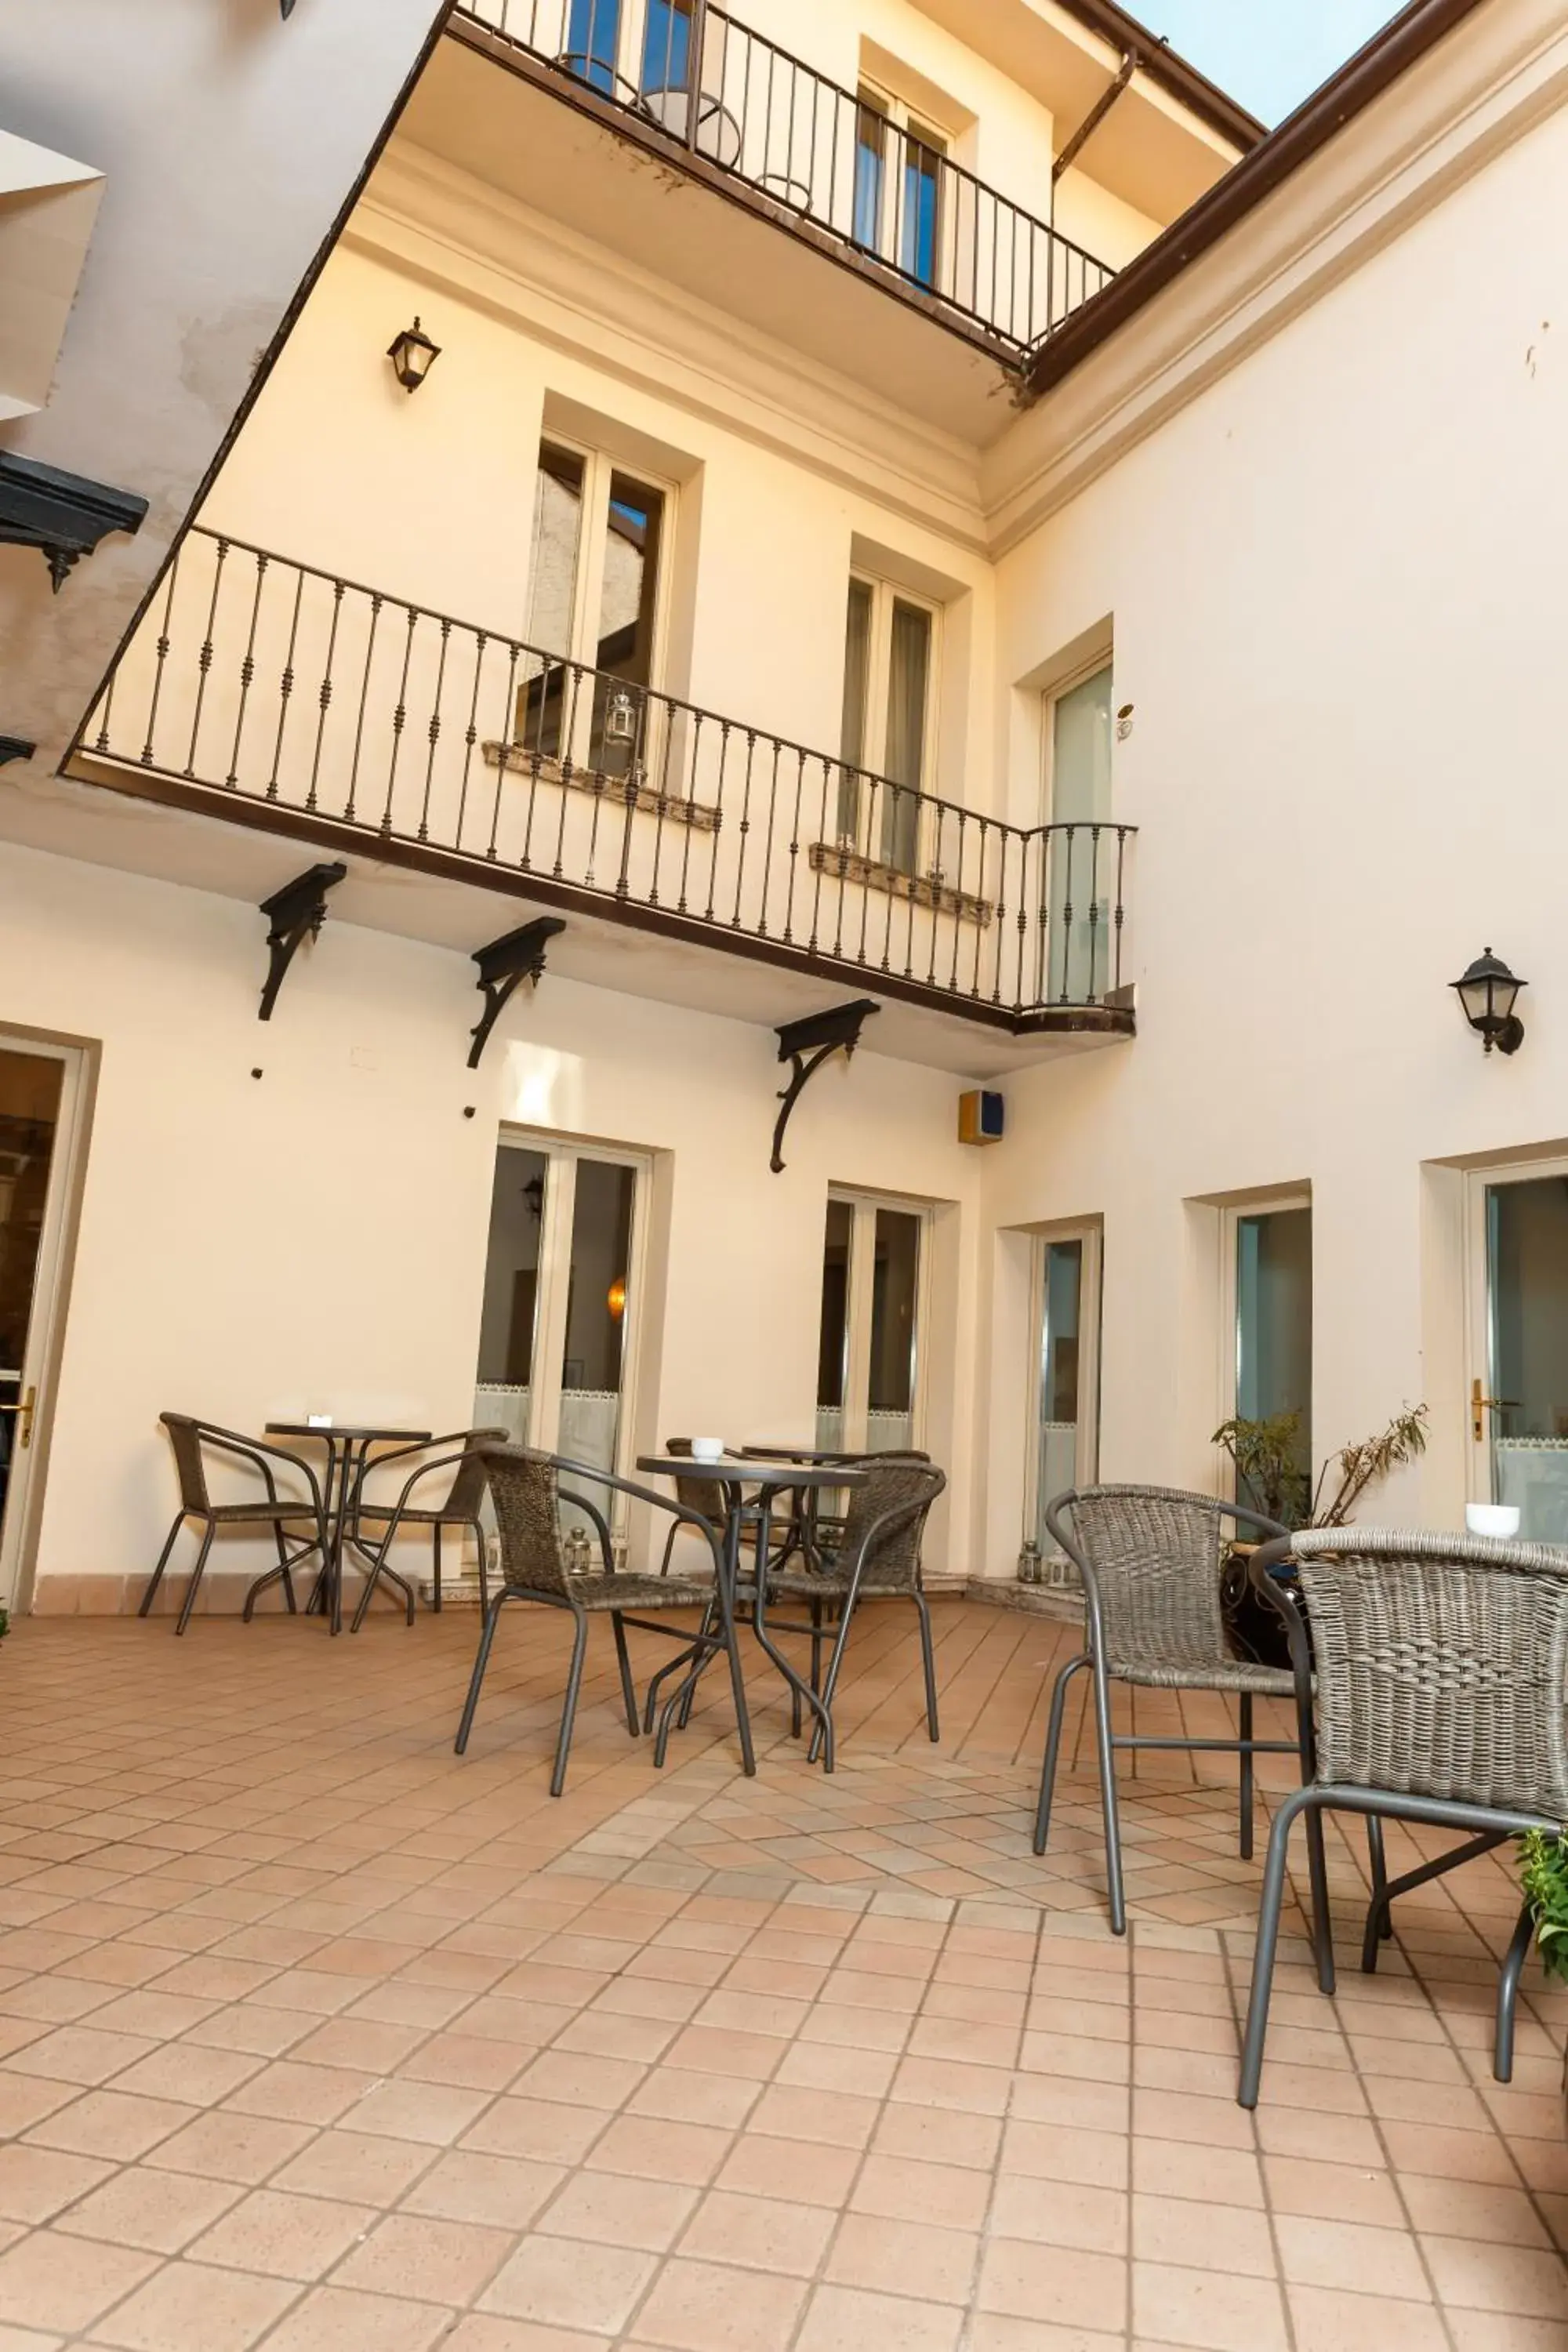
(1499, 1520)
(708, 1449)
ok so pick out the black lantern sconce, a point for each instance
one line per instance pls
(413, 356)
(1489, 991)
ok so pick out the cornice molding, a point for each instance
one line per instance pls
(1489, 85)
(425, 215)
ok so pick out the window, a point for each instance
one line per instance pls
(562, 1285)
(667, 45)
(1065, 1436)
(593, 608)
(873, 1277)
(898, 186)
(1517, 1396)
(1078, 943)
(1271, 1271)
(889, 646)
(593, 42)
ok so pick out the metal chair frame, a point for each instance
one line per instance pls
(1490, 1825)
(1231, 1675)
(470, 1443)
(841, 1603)
(704, 1642)
(274, 1512)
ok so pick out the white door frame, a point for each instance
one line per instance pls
(1087, 1448)
(859, 1290)
(563, 1158)
(1479, 1366)
(40, 1361)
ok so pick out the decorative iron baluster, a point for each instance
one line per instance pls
(286, 685)
(324, 692)
(472, 737)
(247, 676)
(163, 643)
(745, 824)
(204, 656)
(399, 716)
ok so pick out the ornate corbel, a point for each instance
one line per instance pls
(806, 1044)
(503, 965)
(297, 913)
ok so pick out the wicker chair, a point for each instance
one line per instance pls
(527, 1491)
(381, 1523)
(877, 1557)
(704, 1497)
(1150, 1560)
(1440, 1666)
(192, 1441)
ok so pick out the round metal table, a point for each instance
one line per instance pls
(347, 1450)
(734, 1473)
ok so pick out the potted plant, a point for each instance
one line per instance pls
(1270, 1472)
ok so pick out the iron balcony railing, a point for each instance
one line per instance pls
(258, 684)
(828, 158)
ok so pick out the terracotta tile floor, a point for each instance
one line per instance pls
(314, 2037)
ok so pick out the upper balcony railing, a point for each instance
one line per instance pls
(270, 692)
(828, 160)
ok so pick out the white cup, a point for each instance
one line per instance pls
(1499, 1519)
(708, 1449)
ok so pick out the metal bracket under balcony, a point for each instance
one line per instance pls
(64, 516)
(504, 965)
(807, 1046)
(297, 913)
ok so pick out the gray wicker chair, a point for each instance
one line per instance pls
(876, 1557)
(527, 1490)
(374, 1527)
(1150, 1560)
(284, 1516)
(1441, 1667)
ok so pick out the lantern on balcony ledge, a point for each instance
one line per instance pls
(413, 355)
(621, 717)
(1489, 991)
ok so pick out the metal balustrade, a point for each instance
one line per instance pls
(827, 160)
(258, 684)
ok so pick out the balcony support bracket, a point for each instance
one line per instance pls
(503, 966)
(297, 913)
(805, 1046)
(64, 516)
(14, 747)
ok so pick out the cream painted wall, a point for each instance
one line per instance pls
(1340, 602)
(250, 1247)
(431, 497)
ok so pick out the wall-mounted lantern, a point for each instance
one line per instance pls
(1489, 991)
(616, 1298)
(413, 355)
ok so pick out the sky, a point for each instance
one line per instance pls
(1268, 54)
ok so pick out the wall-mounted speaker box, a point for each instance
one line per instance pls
(982, 1117)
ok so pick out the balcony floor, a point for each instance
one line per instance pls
(316, 2037)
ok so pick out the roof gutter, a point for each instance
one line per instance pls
(1357, 85)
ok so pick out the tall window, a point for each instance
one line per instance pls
(593, 42)
(1065, 1438)
(868, 1363)
(1077, 945)
(889, 684)
(898, 186)
(560, 1290)
(667, 45)
(593, 610)
(1272, 1276)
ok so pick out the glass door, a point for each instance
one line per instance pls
(39, 1088)
(1519, 1389)
(1077, 942)
(1064, 1434)
(873, 1288)
(561, 1281)
(1271, 1271)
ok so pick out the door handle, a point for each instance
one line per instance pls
(24, 1413)
(1480, 1405)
